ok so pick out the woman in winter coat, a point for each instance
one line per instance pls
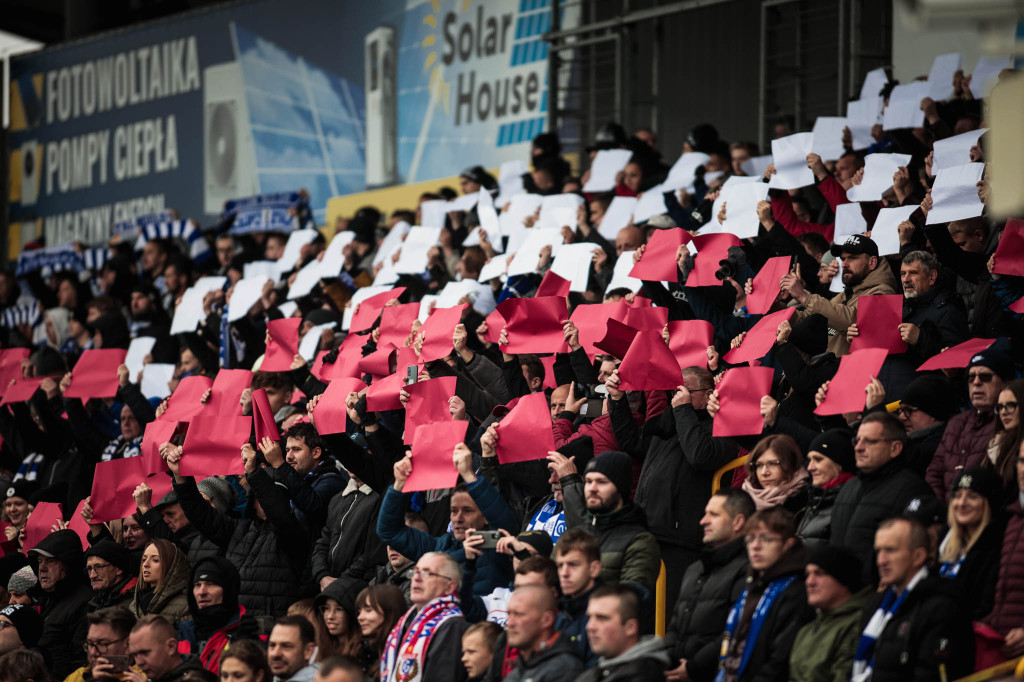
(378, 607)
(163, 579)
(969, 555)
(336, 607)
(831, 463)
(775, 474)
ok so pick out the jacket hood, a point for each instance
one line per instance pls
(175, 582)
(66, 546)
(650, 646)
(217, 616)
(344, 590)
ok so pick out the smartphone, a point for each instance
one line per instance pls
(491, 538)
(120, 663)
(411, 374)
(592, 408)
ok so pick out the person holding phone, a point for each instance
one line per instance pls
(106, 645)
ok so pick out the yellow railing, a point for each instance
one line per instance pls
(659, 602)
(716, 482)
(1014, 667)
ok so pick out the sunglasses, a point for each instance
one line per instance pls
(983, 377)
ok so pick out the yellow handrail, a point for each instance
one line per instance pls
(716, 482)
(659, 602)
(1015, 667)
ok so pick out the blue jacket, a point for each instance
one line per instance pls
(492, 569)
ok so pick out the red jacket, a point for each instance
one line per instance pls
(964, 445)
(1009, 600)
(600, 430)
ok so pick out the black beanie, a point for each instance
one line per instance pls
(838, 447)
(933, 395)
(997, 358)
(617, 466)
(26, 621)
(113, 554)
(838, 562)
(984, 481)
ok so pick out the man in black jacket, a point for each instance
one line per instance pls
(64, 594)
(153, 643)
(882, 488)
(111, 575)
(710, 587)
(545, 655)
(613, 626)
(914, 630)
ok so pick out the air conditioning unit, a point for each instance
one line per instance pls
(228, 152)
(381, 87)
(30, 172)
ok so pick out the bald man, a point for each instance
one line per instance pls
(544, 655)
(628, 239)
(558, 398)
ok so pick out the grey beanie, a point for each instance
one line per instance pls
(221, 495)
(22, 580)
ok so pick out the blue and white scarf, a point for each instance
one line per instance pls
(55, 258)
(404, 655)
(186, 230)
(28, 470)
(549, 519)
(764, 605)
(864, 660)
(132, 448)
(26, 313)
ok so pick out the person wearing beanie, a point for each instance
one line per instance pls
(63, 594)
(831, 463)
(967, 435)
(824, 648)
(218, 492)
(926, 404)
(20, 585)
(23, 628)
(629, 552)
(217, 617)
(969, 554)
(111, 573)
(17, 507)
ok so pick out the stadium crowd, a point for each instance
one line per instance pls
(267, 455)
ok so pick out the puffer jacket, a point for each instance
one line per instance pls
(1008, 612)
(964, 445)
(814, 521)
(558, 662)
(927, 633)
(866, 501)
(350, 522)
(824, 649)
(841, 309)
(168, 598)
(269, 554)
(710, 587)
(645, 660)
(629, 552)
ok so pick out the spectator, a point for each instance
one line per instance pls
(775, 474)
(882, 488)
(629, 553)
(478, 647)
(337, 607)
(290, 649)
(20, 585)
(764, 621)
(613, 626)
(111, 575)
(106, 644)
(245, 660)
(926, 405)
(914, 629)
(578, 559)
(824, 648)
(163, 579)
(349, 527)
(339, 669)
(1009, 595)
(379, 607)
(218, 621)
(710, 587)
(24, 665)
(153, 644)
(433, 653)
(63, 595)
(1008, 435)
(23, 627)
(831, 464)
(544, 654)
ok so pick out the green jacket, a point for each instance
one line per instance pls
(824, 648)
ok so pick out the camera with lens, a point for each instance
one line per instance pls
(702, 214)
(730, 267)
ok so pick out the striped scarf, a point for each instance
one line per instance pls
(405, 654)
(131, 448)
(24, 313)
(864, 660)
(28, 470)
(186, 230)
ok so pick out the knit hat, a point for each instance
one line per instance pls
(618, 467)
(984, 481)
(22, 580)
(810, 335)
(27, 622)
(21, 488)
(221, 495)
(933, 395)
(539, 540)
(214, 572)
(997, 358)
(661, 221)
(837, 446)
(838, 562)
(927, 510)
(113, 553)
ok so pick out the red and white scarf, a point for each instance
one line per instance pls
(404, 656)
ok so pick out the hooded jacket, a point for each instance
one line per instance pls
(119, 594)
(645, 660)
(558, 662)
(824, 649)
(169, 596)
(64, 608)
(841, 309)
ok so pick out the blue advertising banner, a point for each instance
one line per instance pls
(270, 97)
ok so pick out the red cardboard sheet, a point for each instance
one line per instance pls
(368, 310)
(711, 248)
(428, 403)
(437, 332)
(283, 345)
(184, 402)
(658, 264)
(156, 434)
(115, 481)
(846, 390)
(535, 324)
(432, 448)
(95, 374)
(378, 363)
(765, 287)
(10, 365)
(878, 323)
(22, 390)
(396, 324)
(40, 521)
(957, 357)
(739, 395)
(549, 371)
(689, 340)
(649, 365)
(495, 323)
(382, 395)
(617, 338)
(553, 285)
(645, 318)
(592, 321)
(760, 339)
(1009, 256)
(525, 433)
(347, 365)
(79, 525)
(213, 446)
(263, 418)
(227, 391)
(330, 412)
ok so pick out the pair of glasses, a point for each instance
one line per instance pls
(100, 646)
(767, 465)
(424, 573)
(906, 410)
(1006, 407)
(983, 377)
(96, 568)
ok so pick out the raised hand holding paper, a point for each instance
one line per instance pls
(689, 340)
(1009, 256)
(649, 365)
(432, 448)
(95, 374)
(878, 321)
(739, 397)
(283, 344)
(534, 324)
(955, 194)
(658, 263)
(846, 389)
(760, 339)
(790, 154)
(765, 287)
(519, 438)
(428, 404)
